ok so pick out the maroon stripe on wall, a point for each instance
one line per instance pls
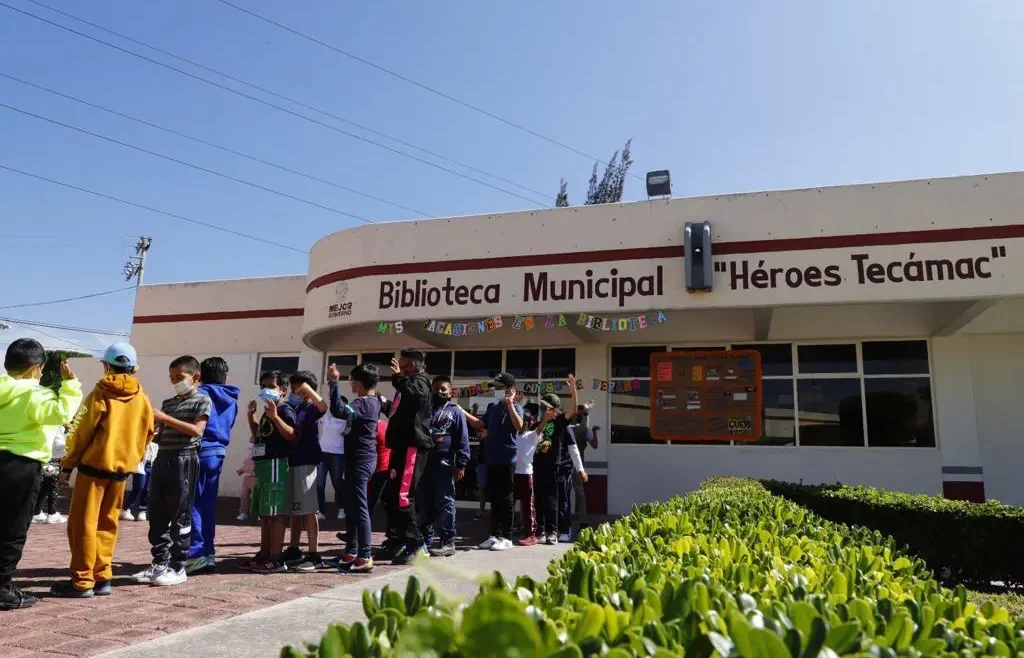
(220, 315)
(972, 491)
(675, 251)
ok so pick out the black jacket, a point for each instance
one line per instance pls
(410, 421)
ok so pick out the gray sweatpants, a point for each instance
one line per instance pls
(172, 491)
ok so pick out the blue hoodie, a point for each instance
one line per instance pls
(222, 418)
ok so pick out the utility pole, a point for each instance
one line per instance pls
(135, 266)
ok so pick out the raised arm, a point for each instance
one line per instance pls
(340, 407)
(279, 423)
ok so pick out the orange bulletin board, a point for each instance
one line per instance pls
(706, 396)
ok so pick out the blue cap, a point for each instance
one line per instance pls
(121, 355)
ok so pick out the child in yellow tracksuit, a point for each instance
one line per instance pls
(114, 428)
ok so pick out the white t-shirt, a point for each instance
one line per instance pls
(332, 434)
(526, 446)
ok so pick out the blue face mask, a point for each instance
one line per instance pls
(294, 399)
(269, 395)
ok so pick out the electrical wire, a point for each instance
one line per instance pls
(67, 299)
(408, 80)
(34, 326)
(268, 103)
(151, 209)
(208, 143)
(62, 327)
(185, 163)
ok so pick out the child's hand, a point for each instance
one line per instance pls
(333, 374)
(571, 381)
(252, 407)
(304, 391)
(271, 409)
(544, 445)
(66, 372)
(65, 479)
(583, 476)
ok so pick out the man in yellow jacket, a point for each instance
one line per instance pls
(113, 431)
(29, 416)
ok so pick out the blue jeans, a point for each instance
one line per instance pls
(137, 499)
(204, 509)
(333, 465)
(357, 511)
(439, 504)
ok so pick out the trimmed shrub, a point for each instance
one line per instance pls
(730, 570)
(963, 542)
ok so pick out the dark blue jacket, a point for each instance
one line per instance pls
(448, 423)
(217, 435)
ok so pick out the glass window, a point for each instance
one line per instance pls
(439, 363)
(896, 357)
(480, 364)
(630, 413)
(558, 363)
(821, 359)
(345, 363)
(830, 412)
(776, 359)
(699, 349)
(778, 415)
(523, 364)
(380, 359)
(900, 412)
(288, 365)
(633, 361)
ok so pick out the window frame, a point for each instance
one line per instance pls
(274, 355)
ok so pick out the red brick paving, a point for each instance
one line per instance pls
(58, 628)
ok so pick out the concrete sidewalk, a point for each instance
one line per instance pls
(262, 633)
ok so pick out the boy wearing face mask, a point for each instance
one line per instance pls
(446, 465)
(29, 415)
(181, 422)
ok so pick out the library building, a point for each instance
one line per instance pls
(864, 334)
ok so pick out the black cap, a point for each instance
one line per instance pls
(551, 400)
(506, 380)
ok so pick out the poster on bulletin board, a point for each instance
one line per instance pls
(706, 396)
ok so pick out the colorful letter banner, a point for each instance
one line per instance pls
(620, 386)
(459, 329)
(592, 322)
(389, 327)
(528, 388)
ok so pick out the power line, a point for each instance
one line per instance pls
(165, 213)
(265, 102)
(67, 299)
(408, 80)
(48, 325)
(184, 163)
(210, 144)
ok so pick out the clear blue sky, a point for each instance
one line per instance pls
(731, 97)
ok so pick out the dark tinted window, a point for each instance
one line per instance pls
(345, 363)
(776, 359)
(817, 359)
(900, 412)
(896, 357)
(558, 363)
(523, 364)
(380, 359)
(288, 365)
(778, 420)
(633, 361)
(630, 414)
(482, 364)
(439, 363)
(830, 412)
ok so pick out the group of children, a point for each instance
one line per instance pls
(408, 451)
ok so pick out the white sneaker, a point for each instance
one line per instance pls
(320, 516)
(242, 518)
(126, 515)
(56, 519)
(551, 539)
(564, 538)
(488, 543)
(147, 575)
(341, 515)
(142, 516)
(502, 544)
(39, 518)
(170, 578)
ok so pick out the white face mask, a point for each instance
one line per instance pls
(499, 394)
(183, 387)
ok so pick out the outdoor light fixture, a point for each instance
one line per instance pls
(697, 252)
(659, 183)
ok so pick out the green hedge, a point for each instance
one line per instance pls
(730, 570)
(964, 542)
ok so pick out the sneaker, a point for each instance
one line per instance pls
(103, 588)
(126, 515)
(362, 565)
(141, 516)
(564, 538)
(320, 516)
(12, 598)
(170, 578)
(444, 550)
(242, 518)
(56, 519)
(197, 564)
(269, 566)
(292, 555)
(551, 539)
(423, 552)
(527, 541)
(405, 556)
(502, 544)
(341, 515)
(312, 562)
(148, 575)
(67, 590)
(487, 543)
(345, 562)
(39, 518)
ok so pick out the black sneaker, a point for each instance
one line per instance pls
(444, 550)
(12, 598)
(312, 562)
(292, 555)
(269, 566)
(67, 590)
(103, 588)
